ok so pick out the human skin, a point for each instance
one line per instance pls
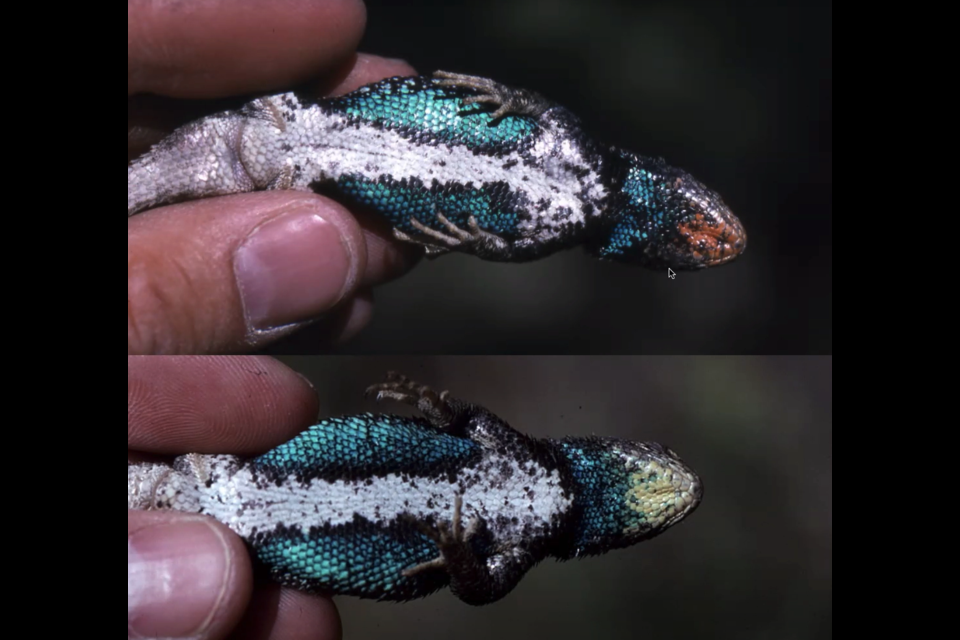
(236, 273)
(188, 575)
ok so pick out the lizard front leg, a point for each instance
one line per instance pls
(451, 415)
(441, 410)
(507, 100)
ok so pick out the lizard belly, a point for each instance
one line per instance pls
(514, 498)
(358, 536)
(537, 188)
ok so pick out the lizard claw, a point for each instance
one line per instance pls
(402, 389)
(446, 535)
(507, 100)
(473, 238)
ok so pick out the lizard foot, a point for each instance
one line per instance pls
(450, 537)
(473, 239)
(506, 99)
(402, 389)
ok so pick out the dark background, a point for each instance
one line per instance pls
(737, 93)
(753, 561)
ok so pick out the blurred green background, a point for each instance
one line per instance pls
(738, 93)
(755, 559)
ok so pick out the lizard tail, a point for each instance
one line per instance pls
(198, 160)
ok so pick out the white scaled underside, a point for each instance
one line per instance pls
(324, 144)
(511, 496)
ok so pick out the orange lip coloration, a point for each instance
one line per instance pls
(714, 241)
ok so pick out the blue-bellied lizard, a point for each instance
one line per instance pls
(394, 508)
(454, 163)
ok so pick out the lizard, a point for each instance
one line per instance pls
(453, 163)
(395, 507)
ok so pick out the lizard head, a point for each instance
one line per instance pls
(663, 217)
(629, 491)
(662, 489)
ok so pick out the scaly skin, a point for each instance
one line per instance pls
(454, 163)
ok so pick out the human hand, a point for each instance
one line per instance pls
(235, 273)
(188, 575)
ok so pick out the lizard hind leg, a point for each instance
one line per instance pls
(471, 578)
(431, 404)
(443, 535)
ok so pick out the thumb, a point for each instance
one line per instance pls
(237, 272)
(187, 576)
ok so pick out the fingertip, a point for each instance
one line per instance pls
(302, 613)
(299, 264)
(280, 613)
(241, 405)
(357, 318)
(349, 319)
(208, 49)
(187, 576)
(367, 68)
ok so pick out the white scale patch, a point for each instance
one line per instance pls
(497, 488)
(324, 145)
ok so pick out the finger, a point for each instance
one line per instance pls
(161, 313)
(187, 576)
(337, 327)
(235, 273)
(208, 49)
(151, 117)
(231, 273)
(277, 613)
(240, 405)
(357, 317)
(364, 69)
